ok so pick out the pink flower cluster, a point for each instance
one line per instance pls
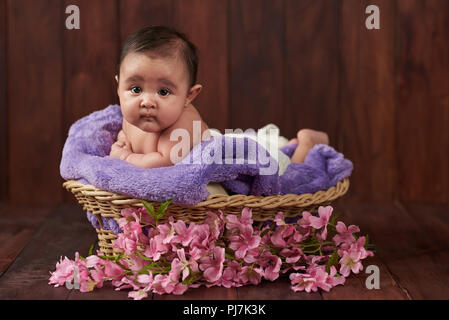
(223, 251)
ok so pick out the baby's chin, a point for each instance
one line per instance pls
(150, 126)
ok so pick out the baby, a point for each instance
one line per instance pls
(156, 86)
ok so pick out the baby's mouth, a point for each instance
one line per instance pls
(148, 117)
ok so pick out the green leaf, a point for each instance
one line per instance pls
(163, 207)
(334, 218)
(191, 278)
(112, 258)
(227, 255)
(91, 250)
(333, 261)
(150, 208)
(366, 242)
(143, 257)
(264, 232)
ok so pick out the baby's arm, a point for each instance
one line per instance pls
(148, 160)
(159, 158)
(121, 148)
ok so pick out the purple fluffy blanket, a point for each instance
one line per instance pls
(85, 158)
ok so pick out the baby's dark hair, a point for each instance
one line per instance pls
(163, 41)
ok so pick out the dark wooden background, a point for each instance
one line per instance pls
(382, 95)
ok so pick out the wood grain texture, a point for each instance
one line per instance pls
(16, 230)
(411, 240)
(3, 106)
(64, 232)
(35, 100)
(311, 67)
(280, 289)
(411, 243)
(90, 60)
(367, 99)
(205, 23)
(257, 44)
(423, 100)
(135, 14)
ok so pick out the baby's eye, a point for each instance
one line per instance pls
(136, 89)
(164, 92)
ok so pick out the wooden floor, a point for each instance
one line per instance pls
(412, 253)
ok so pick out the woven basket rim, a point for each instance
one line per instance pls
(219, 200)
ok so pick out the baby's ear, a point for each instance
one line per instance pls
(116, 78)
(193, 93)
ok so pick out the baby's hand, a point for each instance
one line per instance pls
(121, 149)
(123, 140)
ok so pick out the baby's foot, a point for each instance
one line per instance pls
(307, 139)
(312, 137)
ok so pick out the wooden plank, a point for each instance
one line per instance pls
(202, 293)
(355, 285)
(392, 230)
(280, 289)
(205, 23)
(64, 232)
(311, 67)
(367, 100)
(3, 105)
(35, 94)
(425, 274)
(256, 45)
(412, 242)
(89, 78)
(423, 100)
(16, 230)
(144, 13)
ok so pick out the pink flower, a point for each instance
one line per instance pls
(244, 242)
(112, 270)
(359, 246)
(168, 284)
(303, 281)
(321, 221)
(281, 233)
(138, 295)
(166, 231)
(350, 262)
(344, 234)
(252, 255)
(201, 237)
(233, 222)
(250, 274)
(215, 223)
(321, 276)
(184, 234)
(279, 219)
(332, 280)
(273, 266)
(183, 264)
(230, 274)
(305, 220)
(212, 267)
(65, 270)
(292, 255)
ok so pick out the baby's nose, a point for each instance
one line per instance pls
(148, 102)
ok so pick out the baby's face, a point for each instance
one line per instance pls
(152, 90)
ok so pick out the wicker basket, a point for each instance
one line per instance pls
(109, 205)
